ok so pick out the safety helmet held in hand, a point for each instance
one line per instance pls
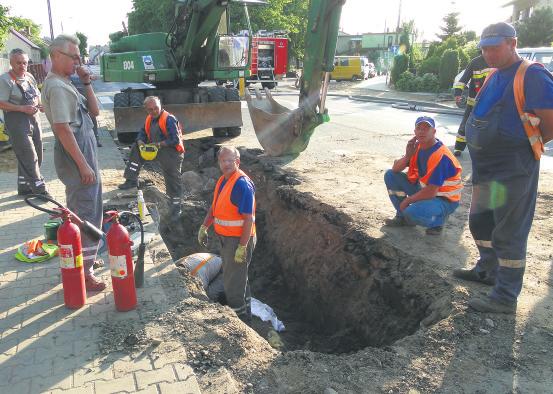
(148, 151)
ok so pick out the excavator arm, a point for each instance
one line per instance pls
(279, 130)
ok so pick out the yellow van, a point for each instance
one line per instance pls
(351, 68)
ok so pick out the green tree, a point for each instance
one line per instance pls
(463, 58)
(287, 15)
(449, 68)
(5, 24)
(401, 63)
(116, 36)
(27, 27)
(451, 27)
(83, 46)
(472, 50)
(150, 16)
(536, 31)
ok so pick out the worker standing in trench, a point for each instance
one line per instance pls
(162, 130)
(232, 214)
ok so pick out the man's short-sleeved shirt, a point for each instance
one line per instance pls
(61, 101)
(538, 90)
(11, 93)
(242, 195)
(444, 170)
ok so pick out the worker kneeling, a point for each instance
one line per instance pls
(159, 139)
(431, 189)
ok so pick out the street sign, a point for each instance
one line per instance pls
(394, 49)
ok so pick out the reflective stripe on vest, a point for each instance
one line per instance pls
(162, 122)
(451, 189)
(228, 221)
(529, 121)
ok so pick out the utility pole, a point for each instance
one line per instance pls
(398, 22)
(50, 20)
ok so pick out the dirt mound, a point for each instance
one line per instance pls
(361, 315)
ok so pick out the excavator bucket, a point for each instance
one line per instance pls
(278, 129)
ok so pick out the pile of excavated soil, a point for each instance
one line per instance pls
(361, 314)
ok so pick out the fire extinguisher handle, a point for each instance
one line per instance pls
(91, 230)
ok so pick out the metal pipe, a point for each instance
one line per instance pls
(324, 91)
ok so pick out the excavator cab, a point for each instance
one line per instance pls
(282, 131)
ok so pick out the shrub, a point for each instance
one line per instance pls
(430, 65)
(430, 83)
(449, 67)
(463, 59)
(406, 82)
(401, 62)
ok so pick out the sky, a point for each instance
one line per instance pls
(97, 18)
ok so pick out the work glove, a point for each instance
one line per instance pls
(202, 236)
(240, 255)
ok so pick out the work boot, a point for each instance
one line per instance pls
(398, 221)
(24, 193)
(489, 305)
(474, 276)
(457, 152)
(434, 230)
(128, 184)
(93, 284)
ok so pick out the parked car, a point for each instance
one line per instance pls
(352, 68)
(541, 55)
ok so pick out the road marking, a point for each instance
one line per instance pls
(105, 100)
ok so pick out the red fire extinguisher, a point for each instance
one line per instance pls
(121, 264)
(70, 250)
(71, 263)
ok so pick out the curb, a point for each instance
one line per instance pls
(413, 105)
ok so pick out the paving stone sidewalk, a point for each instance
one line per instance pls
(45, 347)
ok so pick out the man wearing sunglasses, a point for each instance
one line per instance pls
(75, 152)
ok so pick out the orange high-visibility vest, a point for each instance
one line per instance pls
(227, 220)
(163, 126)
(530, 122)
(451, 189)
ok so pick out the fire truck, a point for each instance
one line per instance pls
(269, 58)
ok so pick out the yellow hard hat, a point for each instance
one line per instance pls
(148, 151)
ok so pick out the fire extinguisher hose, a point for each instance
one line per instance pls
(91, 230)
(139, 265)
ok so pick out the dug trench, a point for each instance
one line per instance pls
(336, 289)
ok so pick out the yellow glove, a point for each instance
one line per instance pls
(240, 255)
(202, 236)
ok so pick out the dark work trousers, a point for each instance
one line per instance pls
(26, 139)
(505, 183)
(235, 276)
(170, 161)
(461, 140)
(95, 126)
(84, 200)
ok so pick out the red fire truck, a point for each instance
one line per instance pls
(269, 58)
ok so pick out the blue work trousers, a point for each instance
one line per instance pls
(426, 213)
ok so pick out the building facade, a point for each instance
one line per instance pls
(523, 9)
(18, 40)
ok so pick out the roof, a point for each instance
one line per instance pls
(24, 39)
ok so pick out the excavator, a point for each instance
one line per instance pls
(198, 48)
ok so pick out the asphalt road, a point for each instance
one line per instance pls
(355, 126)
